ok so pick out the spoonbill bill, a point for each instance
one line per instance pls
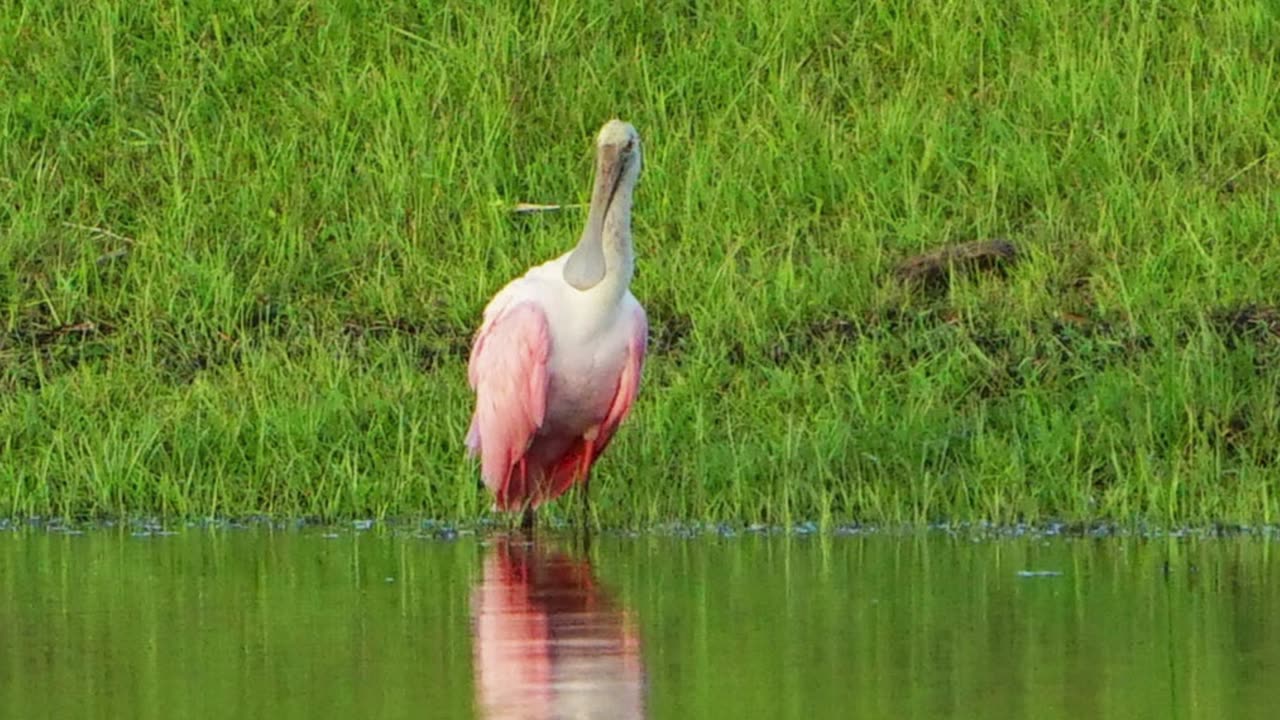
(556, 364)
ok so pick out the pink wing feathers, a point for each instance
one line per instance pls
(508, 371)
(628, 382)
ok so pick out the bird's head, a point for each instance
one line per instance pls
(617, 170)
(618, 150)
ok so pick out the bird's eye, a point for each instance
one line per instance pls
(631, 145)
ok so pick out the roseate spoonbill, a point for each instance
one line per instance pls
(556, 364)
(549, 642)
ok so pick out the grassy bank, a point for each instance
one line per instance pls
(243, 246)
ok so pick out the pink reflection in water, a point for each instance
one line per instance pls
(549, 641)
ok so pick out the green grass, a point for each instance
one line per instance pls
(300, 214)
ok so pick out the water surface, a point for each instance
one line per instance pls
(282, 624)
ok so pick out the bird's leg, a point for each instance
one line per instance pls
(524, 478)
(584, 472)
(527, 518)
(586, 541)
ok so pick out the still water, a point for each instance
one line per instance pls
(350, 624)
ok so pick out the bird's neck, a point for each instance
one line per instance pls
(619, 257)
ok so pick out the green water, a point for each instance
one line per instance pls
(282, 624)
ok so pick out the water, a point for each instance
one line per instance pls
(263, 624)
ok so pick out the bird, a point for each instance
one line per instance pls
(556, 363)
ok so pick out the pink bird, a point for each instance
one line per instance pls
(556, 363)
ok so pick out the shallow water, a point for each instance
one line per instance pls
(278, 624)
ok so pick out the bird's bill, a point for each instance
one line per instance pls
(608, 174)
(586, 266)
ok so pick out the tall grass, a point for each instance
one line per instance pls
(243, 246)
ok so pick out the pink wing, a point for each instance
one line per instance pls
(508, 371)
(628, 382)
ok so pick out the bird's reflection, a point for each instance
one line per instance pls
(549, 641)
